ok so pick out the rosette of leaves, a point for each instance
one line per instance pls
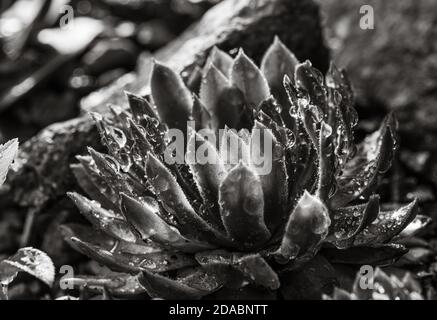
(29, 260)
(192, 230)
(381, 287)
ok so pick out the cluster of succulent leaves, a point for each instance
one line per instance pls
(29, 260)
(381, 287)
(192, 230)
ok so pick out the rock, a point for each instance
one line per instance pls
(42, 166)
(394, 65)
(109, 54)
(43, 172)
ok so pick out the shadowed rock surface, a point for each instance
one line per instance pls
(43, 172)
(392, 67)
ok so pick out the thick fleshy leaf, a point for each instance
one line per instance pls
(174, 201)
(307, 227)
(100, 239)
(31, 261)
(349, 221)
(341, 100)
(277, 62)
(418, 224)
(99, 180)
(268, 161)
(157, 261)
(103, 219)
(213, 84)
(115, 261)
(221, 60)
(140, 107)
(86, 182)
(373, 158)
(244, 267)
(223, 102)
(194, 286)
(111, 137)
(258, 271)
(381, 255)
(109, 170)
(146, 220)
(201, 116)
(326, 162)
(387, 225)
(88, 234)
(208, 170)
(221, 264)
(233, 149)
(270, 114)
(242, 207)
(173, 100)
(8, 152)
(311, 80)
(246, 76)
(164, 261)
(142, 145)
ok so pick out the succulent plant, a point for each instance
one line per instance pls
(381, 287)
(29, 260)
(190, 230)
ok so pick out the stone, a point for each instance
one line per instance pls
(394, 66)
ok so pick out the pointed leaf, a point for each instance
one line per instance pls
(86, 182)
(258, 271)
(223, 102)
(112, 260)
(387, 225)
(208, 173)
(233, 149)
(350, 221)
(268, 160)
(201, 116)
(175, 202)
(248, 78)
(103, 219)
(326, 162)
(417, 225)
(173, 100)
(109, 170)
(306, 228)
(140, 106)
(373, 158)
(242, 207)
(382, 255)
(221, 60)
(251, 267)
(146, 220)
(277, 62)
(311, 80)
